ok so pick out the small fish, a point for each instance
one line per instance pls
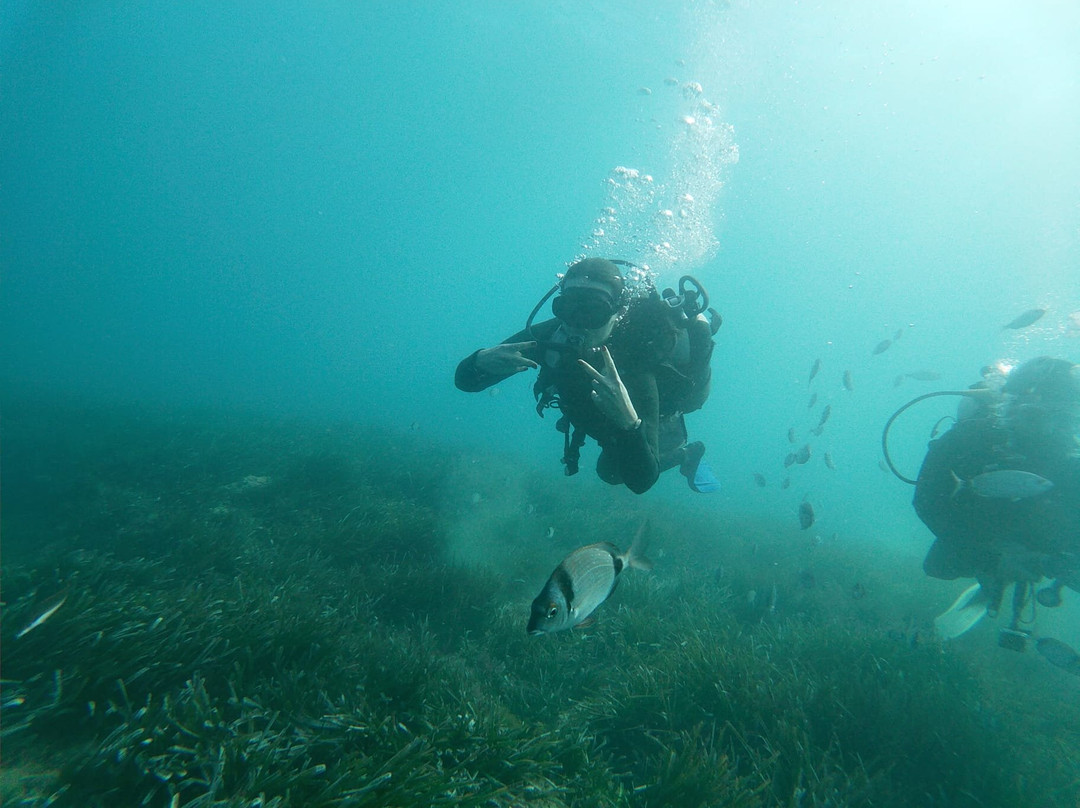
(644, 91)
(791, 435)
(881, 347)
(813, 401)
(923, 376)
(807, 580)
(829, 462)
(49, 609)
(825, 413)
(1003, 484)
(899, 380)
(849, 385)
(1058, 653)
(789, 459)
(899, 333)
(760, 480)
(803, 455)
(1029, 317)
(858, 591)
(806, 515)
(581, 582)
(815, 369)
(817, 430)
(786, 484)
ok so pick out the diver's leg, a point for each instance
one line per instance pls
(607, 469)
(672, 440)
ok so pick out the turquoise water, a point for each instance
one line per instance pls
(315, 211)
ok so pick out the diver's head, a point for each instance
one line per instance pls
(1053, 382)
(590, 300)
(1043, 403)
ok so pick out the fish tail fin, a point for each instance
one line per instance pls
(635, 556)
(958, 484)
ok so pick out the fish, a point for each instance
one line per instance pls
(815, 369)
(899, 333)
(899, 380)
(791, 435)
(829, 462)
(786, 484)
(789, 459)
(760, 480)
(825, 413)
(1058, 653)
(803, 455)
(923, 375)
(1003, 484)
(49, 609)
(881, 347)
(813, 401)
(582, 581)
(849, 385)
(1029, 317)
(817, 430)
(806, 515)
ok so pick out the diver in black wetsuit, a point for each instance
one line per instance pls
(1001, 489)
(622, 369)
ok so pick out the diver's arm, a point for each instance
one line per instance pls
(488, 366)
(636, 450)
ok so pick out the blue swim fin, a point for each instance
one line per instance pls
(704, 481)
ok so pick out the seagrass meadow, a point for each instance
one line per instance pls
(278, 613)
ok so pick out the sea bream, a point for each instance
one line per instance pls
(581, 582)
(1003, 484)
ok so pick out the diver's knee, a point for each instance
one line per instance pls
(608, 470)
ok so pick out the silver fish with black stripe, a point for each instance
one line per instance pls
(581, 582)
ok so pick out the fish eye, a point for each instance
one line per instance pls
(553, 610)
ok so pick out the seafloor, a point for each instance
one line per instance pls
(279, 613)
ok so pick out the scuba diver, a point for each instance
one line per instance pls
(622, 363)
(1000, 490)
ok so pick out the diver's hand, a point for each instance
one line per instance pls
(609, 393)
(505, 358)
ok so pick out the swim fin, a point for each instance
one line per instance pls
(704, 481)
(961, 617)
(699, 475)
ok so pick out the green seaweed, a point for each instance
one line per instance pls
(286, 614)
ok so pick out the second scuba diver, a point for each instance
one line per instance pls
(1000, 490)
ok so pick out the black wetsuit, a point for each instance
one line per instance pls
(660, 392)
(997, 540)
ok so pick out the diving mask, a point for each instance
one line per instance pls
(584, 308)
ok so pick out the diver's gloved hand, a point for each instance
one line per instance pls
(609, 393)
(504, 359)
